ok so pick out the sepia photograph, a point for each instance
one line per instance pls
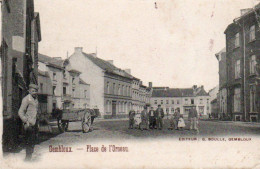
(130, 84)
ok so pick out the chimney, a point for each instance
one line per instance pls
(128, 71)
(111, 62)
(243, 11)
(58, 58)
(78, 49)
(194, 87)
(150, 84)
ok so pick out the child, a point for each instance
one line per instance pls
(131, 119)
(181, 123)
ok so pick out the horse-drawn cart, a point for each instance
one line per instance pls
(86, 116)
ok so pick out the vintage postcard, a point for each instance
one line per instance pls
(130, 84)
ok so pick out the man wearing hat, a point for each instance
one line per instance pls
(28, 114)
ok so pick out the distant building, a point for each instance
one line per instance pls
(214, 102)
(242, 58)
(222, 97)
(182, 98)
(110, 86)
(62, 86)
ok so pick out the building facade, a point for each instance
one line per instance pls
(113, 90)
(242, 57)
(214, 102)
(222, 97)
(182, 98)
(20, 29)
(62, 86)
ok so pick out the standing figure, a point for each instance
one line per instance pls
(181, 123)
(131, 119)
(152, 119)
(138, 120)
(176, 116)
(28, 114)
(159, 116)
(193, 118)
(144, 117)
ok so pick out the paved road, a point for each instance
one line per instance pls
(118, 129)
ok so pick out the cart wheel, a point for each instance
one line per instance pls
(86, 123)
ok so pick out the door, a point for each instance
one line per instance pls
(113, 108)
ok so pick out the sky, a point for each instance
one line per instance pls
(173, 44)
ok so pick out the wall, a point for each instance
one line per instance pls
(92, 75)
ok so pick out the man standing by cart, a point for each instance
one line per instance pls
(28, 114)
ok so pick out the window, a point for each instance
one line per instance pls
(172, 101)
(73, 79)
(64, 90)
(252, 33)
(123, 90)
(201, 101)
(114, 88)
(167, 101)
(119, 90)
(186, 101)
(192, 101)
(155, 101)
(253, 64)
(54, 76)
(167, 110)
(107, 87)
(86, 93)
(253, 99)
(178, 101)
(237, 69)
(41, 87)
(73, 92)
(237, 40)
(54, 90)
(172, 110)
(161, 101)
(237, 100)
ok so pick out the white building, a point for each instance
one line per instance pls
(182, 98)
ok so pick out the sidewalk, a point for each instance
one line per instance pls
(239, 123)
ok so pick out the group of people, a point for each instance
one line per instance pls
(153, 119)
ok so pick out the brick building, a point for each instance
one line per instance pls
(19, 48)
(242, 57)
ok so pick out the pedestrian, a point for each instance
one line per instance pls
(144, 117)
(176, 118)
(28, 113)
(152, 119)
(181, 123)
(193, 118)
(131, 119)
(138, 120)
(159, 116)
(171, 122)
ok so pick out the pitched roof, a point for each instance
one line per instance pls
(50, 61)
(108, 67)
(177, 92)
(172, 92)
(43, 73)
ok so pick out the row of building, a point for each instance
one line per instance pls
(183, 99)
(239, 78)
(85, 81)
